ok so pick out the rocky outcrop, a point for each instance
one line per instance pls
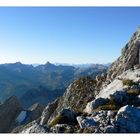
(128, 119)
(36, 128)
(76, 95)
(61, 128)
(98, 122)
(32, 127)
(86, 122)
(95, 104)
(118, 93)
(65, 116)
(9, 110)
(48, 111)
(128, 59)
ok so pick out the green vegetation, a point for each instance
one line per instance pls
(128, 82)
(68, 131)
(77, 97)
(134, 92)
(109, 107)
(89, 130)
(56, 120)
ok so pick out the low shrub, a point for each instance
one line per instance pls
(109, 107)
(58, 120)
(134, 92)
(128, 82)
(89, 130)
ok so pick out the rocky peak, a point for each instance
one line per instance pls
(76, 94)
(128, 59)
(48, 64)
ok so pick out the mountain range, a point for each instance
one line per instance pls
(42, 83)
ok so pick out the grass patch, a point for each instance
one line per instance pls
(134, 92)
(88, 130)
(58, 120)
(109, 107)
(128, 82)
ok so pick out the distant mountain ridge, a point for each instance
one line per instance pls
(22, 79)
(62, 64)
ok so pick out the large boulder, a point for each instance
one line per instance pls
(128, 119)
(9, 111)
(119, 97)
(69, 113)
(95, 104)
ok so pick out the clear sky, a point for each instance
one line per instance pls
(65, 34)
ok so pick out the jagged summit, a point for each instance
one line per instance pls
(48, 63)
(130, 56)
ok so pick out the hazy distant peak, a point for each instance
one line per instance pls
(18, 63)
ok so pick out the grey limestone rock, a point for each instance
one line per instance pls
(128, 59)
(48, 111)
(86, 122)
(128, 119)
(95, 104)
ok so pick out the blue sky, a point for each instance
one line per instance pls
(65, 34)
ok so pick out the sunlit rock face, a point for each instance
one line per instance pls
(128, 59)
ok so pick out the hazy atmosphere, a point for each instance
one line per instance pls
(65, 34)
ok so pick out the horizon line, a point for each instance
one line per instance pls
(55, 63)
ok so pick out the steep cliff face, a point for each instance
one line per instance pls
(128, 59)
